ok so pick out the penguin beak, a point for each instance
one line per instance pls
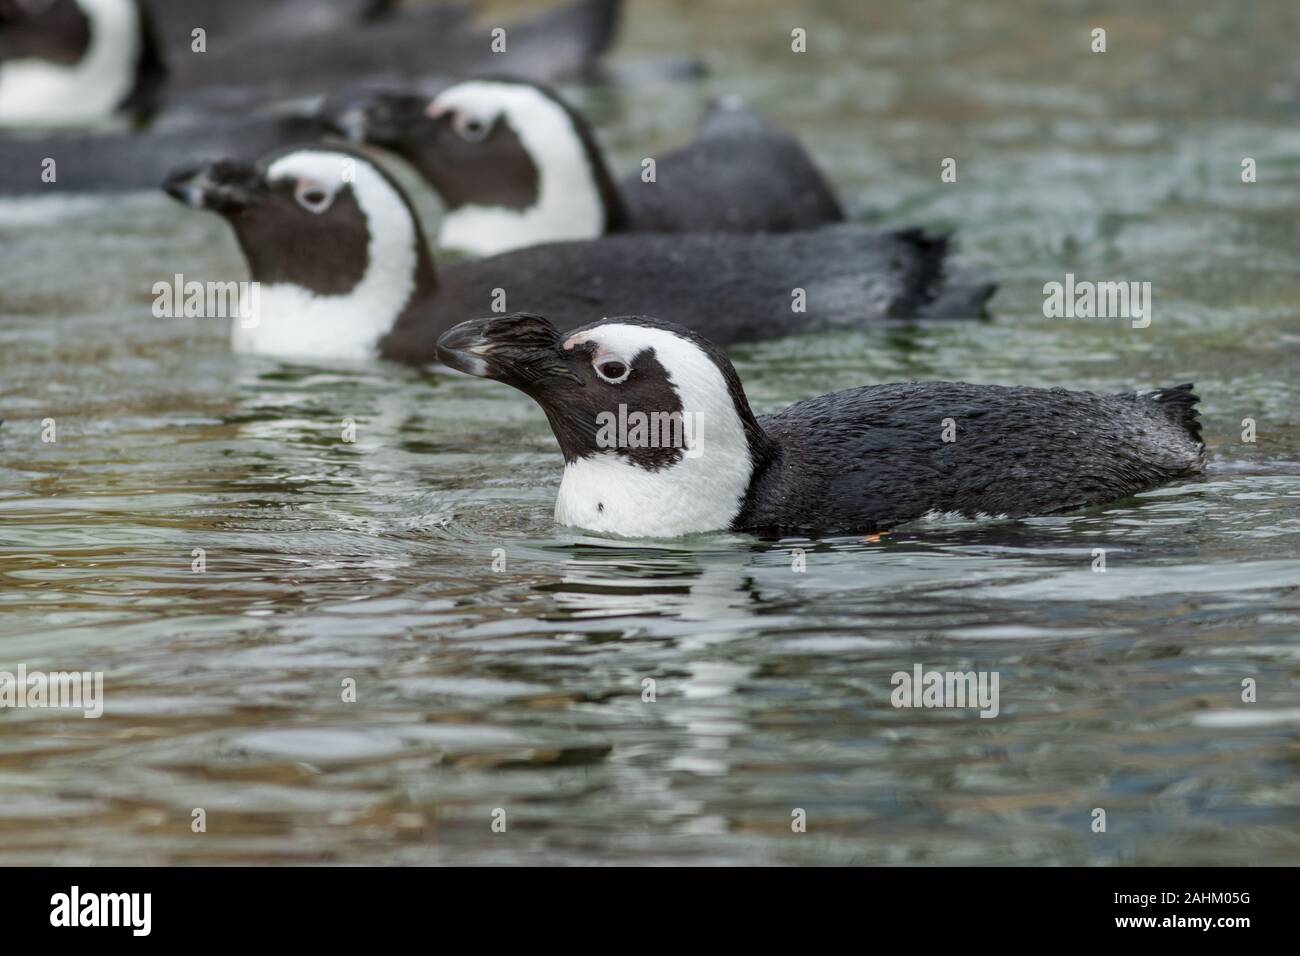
(522, 350)
(378, 117)
(224, 186)
(352, 124)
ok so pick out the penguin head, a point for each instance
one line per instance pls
(513, 164)
(309, 216)
(657, 435)
(393, 119)
(54, 30)
(75, 62)
(331, 238)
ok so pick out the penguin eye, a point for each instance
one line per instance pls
(613, 372)
(312, 197)
(472, 129)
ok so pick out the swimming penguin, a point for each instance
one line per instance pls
(659, 440)
(80, 62)
(515, 165)
(345, 272)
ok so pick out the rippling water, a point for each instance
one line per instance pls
(500, 661)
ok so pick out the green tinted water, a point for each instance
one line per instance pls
(522, 688)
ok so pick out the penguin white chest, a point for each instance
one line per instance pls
(610, 495)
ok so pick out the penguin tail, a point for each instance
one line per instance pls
(1179, 403)
(932, 293)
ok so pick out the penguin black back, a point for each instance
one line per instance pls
(771, 184)
(872, 458)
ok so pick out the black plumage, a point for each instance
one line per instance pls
(871, 458)
(730, 288)
(739, 174)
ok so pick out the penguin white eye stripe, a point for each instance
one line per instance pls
(321, 166)
(317, 176)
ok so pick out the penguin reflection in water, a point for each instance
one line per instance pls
(858, 461)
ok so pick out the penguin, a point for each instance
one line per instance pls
(95, 63)
(83, 62)
(345, 271)
(516, 165)
(69, 63)
(659, 440)
(408, 45)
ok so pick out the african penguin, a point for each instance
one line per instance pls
(346, 272)
(413, 44)
(80, 62)
(75, 62)
(59, 68)
(515, 165)
(659, 441)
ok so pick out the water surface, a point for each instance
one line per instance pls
(500, 661)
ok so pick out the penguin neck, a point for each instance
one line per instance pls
(424, 290)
